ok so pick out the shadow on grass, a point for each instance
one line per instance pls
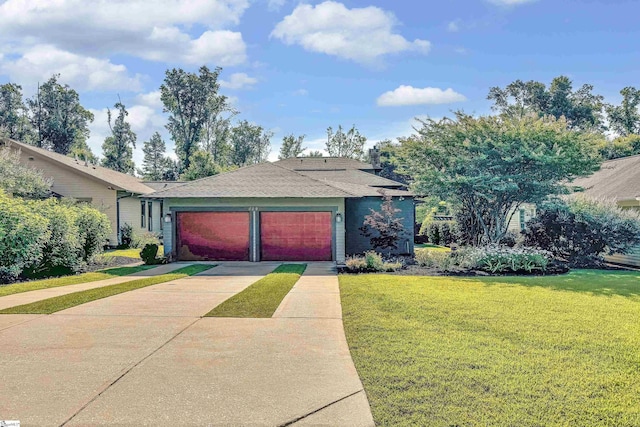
(597, 282)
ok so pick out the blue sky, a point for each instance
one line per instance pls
(299, 67)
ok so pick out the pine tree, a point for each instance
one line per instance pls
(154, 163)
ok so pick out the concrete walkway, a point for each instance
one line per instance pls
(149, 359)
(40, 294)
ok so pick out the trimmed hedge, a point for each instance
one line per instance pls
(40, 238)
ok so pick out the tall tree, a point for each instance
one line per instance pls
(14, 122)
(81, 150)
(491, 165)
(117, 149)
(251, 144)
(57, 117)
(625, 118)
(154, 163)
(389, 161)
(291, 146)
(202, 165)
(191, 100)
(349, 144)
(581, 108)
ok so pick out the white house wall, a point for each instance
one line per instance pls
(333, 203)
(130, 213)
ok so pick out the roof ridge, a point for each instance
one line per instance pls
(314, 179)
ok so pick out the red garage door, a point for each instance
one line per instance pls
(295, 236)
(222, 236)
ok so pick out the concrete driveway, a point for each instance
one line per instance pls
(146, 357)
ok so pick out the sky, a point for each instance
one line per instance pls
(299, 67)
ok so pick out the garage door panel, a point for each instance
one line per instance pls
(296, 236)
(222, 236)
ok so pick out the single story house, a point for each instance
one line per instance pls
(617, 180)
(114, 193)
(299, 209)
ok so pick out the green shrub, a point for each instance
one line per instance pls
(580, 231)
(23, 235)
(19, 180)
(149, 254)
(374, 261)
(61, 253)
(442, 232)
(140, 240)
(126, 236)
(434, 259)
(95, 228)
(391, 266)
(501, 259)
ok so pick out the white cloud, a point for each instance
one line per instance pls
(510, 2)
(301, 92)
(275, 5)
(150, 29)
(409, 95)
(360, 34)
(151, 99)
(453, 26)
(238, 81)
(39, 62)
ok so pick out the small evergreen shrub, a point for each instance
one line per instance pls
(126, 236)
(149, 254)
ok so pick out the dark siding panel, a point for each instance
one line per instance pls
(357, 209)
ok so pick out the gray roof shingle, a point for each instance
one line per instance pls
(118, 180)
(323, 163)
(261, 180)
(617, 179)
(352, 176)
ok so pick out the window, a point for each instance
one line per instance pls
(522, 219)
(150, 223)
(143, 214)
(161, 214)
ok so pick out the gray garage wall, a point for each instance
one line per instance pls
(357, 209)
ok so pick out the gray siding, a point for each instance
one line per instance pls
(357, 209)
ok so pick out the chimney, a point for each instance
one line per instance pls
(374, 156)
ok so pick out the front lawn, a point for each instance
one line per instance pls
(432, 247)
(262, 298)
(508, 351)
(71, 280)
(128, 253)
(62, 302)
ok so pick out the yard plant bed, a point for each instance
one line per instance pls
(62, 302)
(525, 351)
(263, 297)
(70, 280)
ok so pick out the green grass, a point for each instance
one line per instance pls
(262, 298)
(70, 280)
(431, 247)
(508, 351)
(62, 302)
(129, 253)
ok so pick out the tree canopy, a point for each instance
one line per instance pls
(581, 108)
(345, 144)
(57, 117)
(118, 148)
(291, 146)
(490, 165)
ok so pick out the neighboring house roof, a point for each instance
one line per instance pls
(270, 180)
(617, 179)
(162, 185)
(352, 176)
(324, 163)
(117, 180)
